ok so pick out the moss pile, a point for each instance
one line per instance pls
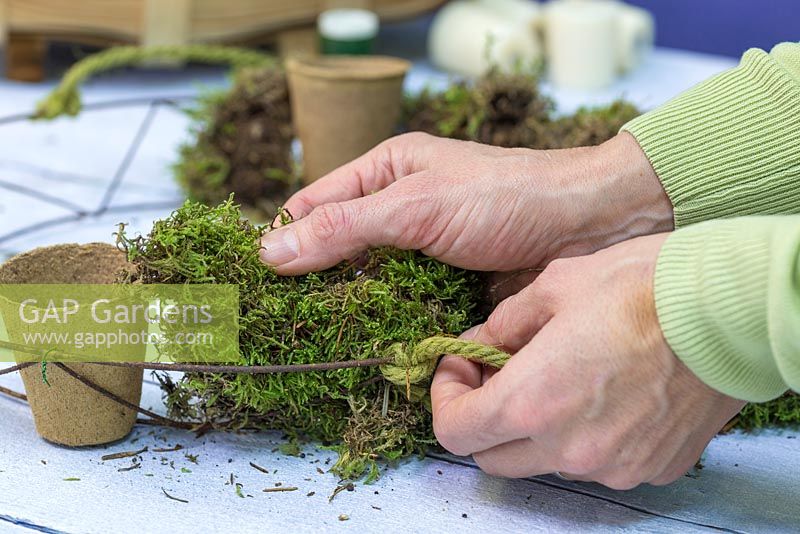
(508, 110)
(588, 126)
(344, 313)
(241, 143)
(499, 109)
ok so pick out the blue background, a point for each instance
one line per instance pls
(726, 27)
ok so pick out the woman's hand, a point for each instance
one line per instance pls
(593, 390)
(472, 205)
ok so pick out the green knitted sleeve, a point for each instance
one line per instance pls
(729, 146)
(728, 291)
(728, 299)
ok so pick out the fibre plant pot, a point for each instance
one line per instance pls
(66, 411)
(342, 106)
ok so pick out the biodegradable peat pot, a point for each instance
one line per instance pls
(342, 106)
(68, 412)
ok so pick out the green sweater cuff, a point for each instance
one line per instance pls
(728, 146)
(728, 300)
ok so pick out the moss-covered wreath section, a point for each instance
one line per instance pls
(509, 110)
(348, 312)
(242, 143)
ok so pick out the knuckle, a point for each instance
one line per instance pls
(549, 285)
(488, 464)
(328, 220)
(582, 459)
(524, 418)
(667, 477)
(412, 138)
(443, 430)
(621, 481)
(674, 472)
(492, 330)
(557, 270)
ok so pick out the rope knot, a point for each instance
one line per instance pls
(416, 363)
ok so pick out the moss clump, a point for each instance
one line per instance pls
(242, 143)
(499, 109)
(508, 110)
(781, 412)
(588, 126)
(344, 313)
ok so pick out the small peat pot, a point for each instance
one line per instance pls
(342, 106)
(66, 411)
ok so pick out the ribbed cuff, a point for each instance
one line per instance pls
(728, 146)
(713, 283)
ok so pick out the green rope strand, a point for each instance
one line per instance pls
(413, 365)
(66, 99)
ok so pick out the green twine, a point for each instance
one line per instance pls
(44, 372)
(44, 366)
(415, 364)
(66, 99)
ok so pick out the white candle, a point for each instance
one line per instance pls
(635, 37)
(471, 37)
(526, 12)
(581, 43)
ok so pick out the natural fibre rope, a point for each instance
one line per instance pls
(66, 99)
(406, 366)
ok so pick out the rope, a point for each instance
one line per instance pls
(405, 366)
(413, 365)
(402, 365)
(66, 99)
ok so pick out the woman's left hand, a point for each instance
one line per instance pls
(592, 391)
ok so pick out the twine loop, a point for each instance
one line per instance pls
(66, 98)
(411, 365)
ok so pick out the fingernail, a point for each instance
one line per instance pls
(471, 333)
(279, 246)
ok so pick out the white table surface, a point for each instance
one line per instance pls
(750, 483)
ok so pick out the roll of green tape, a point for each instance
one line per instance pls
(347, 31)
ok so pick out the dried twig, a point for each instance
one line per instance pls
(125, 454)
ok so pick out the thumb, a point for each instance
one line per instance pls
(515, 321)
(335, 232)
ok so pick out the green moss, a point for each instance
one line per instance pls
(499, 109)
(781, 412)
(588, 126)
(241, 144)
(344, 313)
(509, 110)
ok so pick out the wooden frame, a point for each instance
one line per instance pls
(26, 25)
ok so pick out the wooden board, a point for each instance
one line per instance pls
(750, 483)
(202, 19)
(27, 25)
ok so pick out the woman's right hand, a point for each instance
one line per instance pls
(471, 205)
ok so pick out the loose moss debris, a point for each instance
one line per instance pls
(259, 468)
(174, 498)
(348, 312)
(124, 454)
(279, 489)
